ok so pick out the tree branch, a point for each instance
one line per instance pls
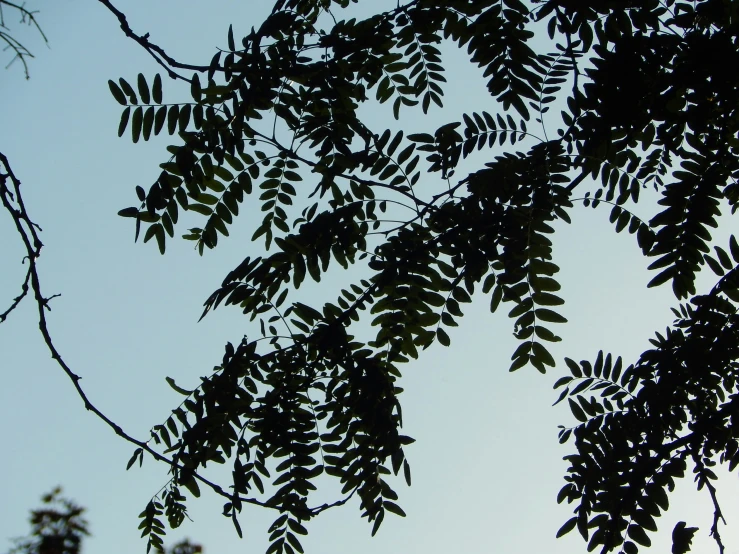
(156, 52)
(17, 299)
(717, 516)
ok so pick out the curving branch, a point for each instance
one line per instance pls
(155, 51)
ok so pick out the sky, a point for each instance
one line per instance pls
(486, 465)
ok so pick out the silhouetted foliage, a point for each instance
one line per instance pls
(649, 99)
(56, 528)
(651, 112)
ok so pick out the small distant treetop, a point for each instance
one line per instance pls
(56, 528)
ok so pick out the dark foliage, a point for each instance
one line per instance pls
(651, 110)
(57, 528)
(651, 113)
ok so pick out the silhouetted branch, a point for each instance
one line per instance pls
(17, 299)
(156, 52)
(717, 516)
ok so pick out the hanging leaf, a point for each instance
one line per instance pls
(117, 93)
(156, 89)
(143, 89)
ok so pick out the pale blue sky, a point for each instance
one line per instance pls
(486, 464)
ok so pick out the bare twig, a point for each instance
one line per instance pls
(17, 299)
(27, 17)
(156, 52)
(717, 516)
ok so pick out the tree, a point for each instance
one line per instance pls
(649, 121)
(59, 528)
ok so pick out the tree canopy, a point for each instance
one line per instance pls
(625, 107)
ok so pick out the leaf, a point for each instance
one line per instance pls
(539, 352)
(378, 521)
(645, 520)
(567, 527)
(117, 93)
(545, 314)
(195, 91)
(159, 235)
(407, 472)
(577, 411)
(156, 89)
(639, 536)
(143, 89)
(394, 143)
(294, 542)
(574, 368)
(714, 265)
(662, 277)
(682, 538)
(192, 485)
(296, 527)
(184, 117)
(231, 43)
(124, 121)
(519, 362)
(734, 248)
(723, 258)
(136, 453)
(393, 508)
(581, 386)
(148, 122)
(172, 117)
(129, 212)
(561, 396)
(159, 119)
(547, 299)
(424, 138)
(138, 119)
(496, 297)
(128, 91)
(177, 388)
(236, 524)
(200, 208)
(598, 368)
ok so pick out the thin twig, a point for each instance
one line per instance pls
(17, 299)
(156, 52)
(717, 516)
(21, 52)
